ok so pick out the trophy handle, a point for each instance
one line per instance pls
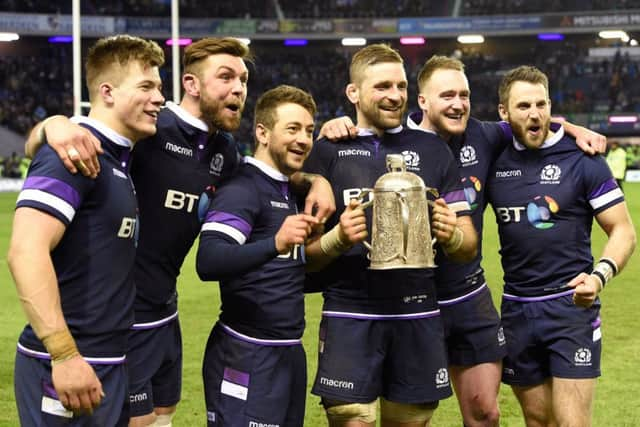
(365, 205)
(432, 203)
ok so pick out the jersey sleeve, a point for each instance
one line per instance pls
(321, 158)
(50, 188)
(498, 136)
(451, 189)
(601, 188)
(223, 249)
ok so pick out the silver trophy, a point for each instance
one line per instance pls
(401, 232)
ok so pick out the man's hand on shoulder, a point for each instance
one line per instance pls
(338, 129)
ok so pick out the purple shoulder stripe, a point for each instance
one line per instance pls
(454, 196)
(506, 129)
(605, 187)
(231, 220)
(55, 187)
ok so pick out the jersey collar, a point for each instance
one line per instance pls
(268, 170)
(370, 132)
(413, 122)
(557, 136)
(186, 116)
(114, 136)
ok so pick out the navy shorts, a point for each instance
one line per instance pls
(155, 367)
(472, 329)
(38, 403)
(248, 382)
(550, 338)
(402, 360)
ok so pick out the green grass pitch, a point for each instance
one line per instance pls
(618, 390)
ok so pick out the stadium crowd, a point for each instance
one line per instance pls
(315, 8)
(578, 83)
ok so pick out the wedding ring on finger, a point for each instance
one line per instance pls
(73, 153)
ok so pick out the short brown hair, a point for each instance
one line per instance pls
(197, 52)
(110, 54)
(266, 105)
(523, 73)
(437, 62)
(371, 55)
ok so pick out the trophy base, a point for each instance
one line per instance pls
(398, 266)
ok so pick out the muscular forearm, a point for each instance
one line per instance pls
(37, 288)
(468, 248)
(621, 244)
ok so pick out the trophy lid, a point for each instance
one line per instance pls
(398, 178)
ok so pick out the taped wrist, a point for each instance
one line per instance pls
(455, 242)
(604, 270)
(331, 243)
(61, 346)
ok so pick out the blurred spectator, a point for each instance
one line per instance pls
(617, 161)
(11, 166)
(293, 9)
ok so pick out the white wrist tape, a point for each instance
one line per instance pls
(331, 243)
(457, 238)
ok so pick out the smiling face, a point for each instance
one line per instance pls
(287, 144)
(136, 101)
(528, 111)
(445, 102)
(222, 91)
(380, 96)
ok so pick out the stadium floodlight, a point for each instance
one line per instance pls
(613, 34)
(550, 37)
(61, 39)
(181, 42)
(633, 42)
(244, 40)
(354, 41)
(296, 42)
(412, 40)
(623, 119)
(9, 37)
(471, 38)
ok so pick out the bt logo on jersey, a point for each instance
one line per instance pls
(178, 200)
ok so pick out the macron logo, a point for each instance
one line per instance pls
(348, 385)
(354, 152)
(508, 174)
(178, 149)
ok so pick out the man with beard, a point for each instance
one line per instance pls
(73, 247)
(394, 347)
(545, 194)
(191, 152)
(474, 339)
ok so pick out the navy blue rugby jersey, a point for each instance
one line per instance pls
(171, 171)
(349, 286)
(545, 201)
(267, 300)
(474, 152)
(94, 258)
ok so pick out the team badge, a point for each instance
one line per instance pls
(468, 155)
(550, 174)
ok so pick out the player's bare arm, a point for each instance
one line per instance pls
(587, 140)
(35, 235)
(319, 200)
(456, 235)
(351, 229)
(76, 146)
(616, 223)
(340, 128)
